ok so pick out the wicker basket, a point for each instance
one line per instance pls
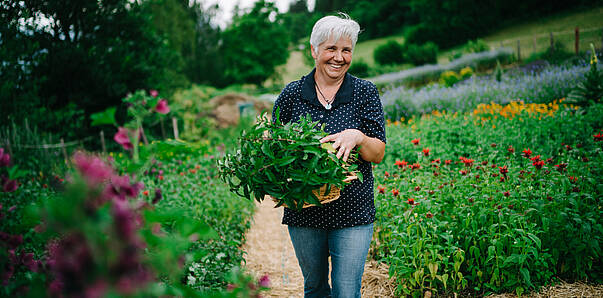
(333, 194)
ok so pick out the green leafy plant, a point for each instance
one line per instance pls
(389, 53)
(286, 162)
(359, 68)
(426, 53)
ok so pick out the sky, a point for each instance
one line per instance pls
(227, 6)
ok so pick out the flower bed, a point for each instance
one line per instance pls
(492, 201)
(531, 86)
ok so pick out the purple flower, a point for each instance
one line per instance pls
(158, 196)
(264, 281)
(92, 168)
(162, 107)
(122, 188)
(122, 138)
(153, 92)
(10, 186)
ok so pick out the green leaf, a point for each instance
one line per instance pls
(106, 117)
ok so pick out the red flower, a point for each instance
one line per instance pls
(510, 149)
(428, 214)
(395, 192)
(561, 167)
(416, 141)
(485, 162)
(503, 170)
(463, 172)
(386, 174)
(417, 188)
(436, 160)
(573, 179)
(535, 158)
(549, 160)
(538, 164)
(506, 193)
(447, 162)
(568, 147)
(527, 152)
(411, 201)
(162, 107)
(381, 189)
(468, 162)
(401, 164)
(146, 192)
(426, 151)
(415, 166)
(598, 137)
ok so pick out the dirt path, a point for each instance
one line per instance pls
(269, 251)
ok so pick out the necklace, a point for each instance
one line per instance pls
(328, 105)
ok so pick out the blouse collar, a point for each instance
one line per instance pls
(344, 94)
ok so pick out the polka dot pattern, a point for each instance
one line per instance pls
(356, 105)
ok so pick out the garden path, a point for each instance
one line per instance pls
(269, 251)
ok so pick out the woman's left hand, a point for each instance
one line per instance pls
(345, 141)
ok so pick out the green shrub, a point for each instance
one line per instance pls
(476, 46)
(359, 68)
(389, 53)
(426, 53)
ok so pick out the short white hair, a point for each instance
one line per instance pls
(335, 26)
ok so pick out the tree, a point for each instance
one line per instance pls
(87, 53)
(254, 45)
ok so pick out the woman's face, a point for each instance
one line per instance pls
(333, 58)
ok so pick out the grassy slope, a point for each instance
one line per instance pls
(592, 18)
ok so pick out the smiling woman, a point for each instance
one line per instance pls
(351, 112)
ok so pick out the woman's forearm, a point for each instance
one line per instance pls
(371, 149)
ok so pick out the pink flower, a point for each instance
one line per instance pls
(264, 281)
(162, 107)
(92, 168)
(153, 92)
(122, 138)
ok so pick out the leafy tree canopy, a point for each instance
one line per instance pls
(255, 44)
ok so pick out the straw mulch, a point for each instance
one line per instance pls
(269, 251)
(561, 290)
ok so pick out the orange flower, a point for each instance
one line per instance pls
(426, 151)
(416, 141)
(401, 164)
(395, 192)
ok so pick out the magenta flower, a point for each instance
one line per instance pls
(264, 281)
(162, 107)
(122, 138)
(10, 185)
(92, 168)
(122, 188)
(153, 92)
(4, 158)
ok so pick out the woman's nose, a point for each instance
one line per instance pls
(338, 56)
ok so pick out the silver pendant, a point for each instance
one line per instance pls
(328, 106)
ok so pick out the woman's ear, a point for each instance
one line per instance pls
(314, 54)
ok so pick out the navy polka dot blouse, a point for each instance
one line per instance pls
(356, 105)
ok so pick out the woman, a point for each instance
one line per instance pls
(352, 113)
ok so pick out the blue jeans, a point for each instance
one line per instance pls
(348, 248)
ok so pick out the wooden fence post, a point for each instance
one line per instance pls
(552, 43)
(102, 137)
(162, 128)
(175, 126)
(518, 51)
(64, 150)
(577, 42)
(10, 149)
